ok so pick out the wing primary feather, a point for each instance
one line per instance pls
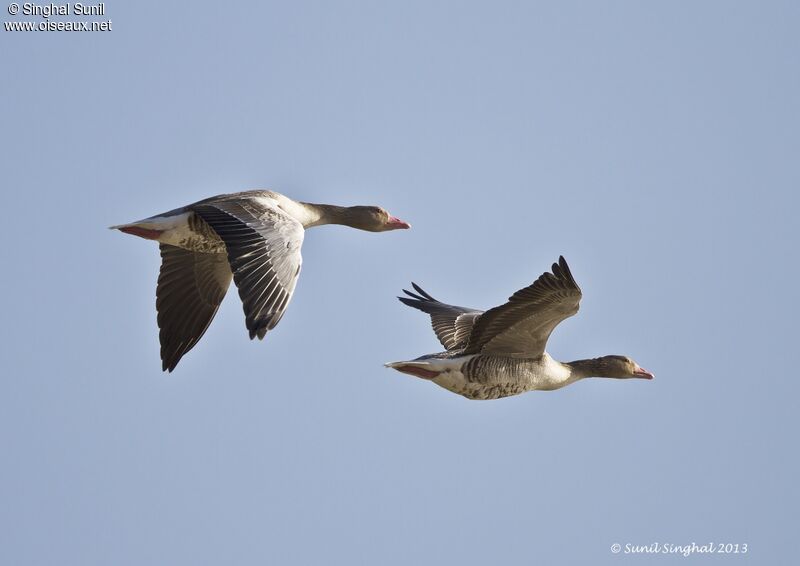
(263, 248)
(190, 287)
(415, 296)
(523, 324)
(444, 317)
(421, 291)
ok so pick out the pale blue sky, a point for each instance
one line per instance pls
(655, 145)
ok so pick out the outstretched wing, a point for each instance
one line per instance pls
(521, 327)
(451, 324)
(263, 245)
(191, 286)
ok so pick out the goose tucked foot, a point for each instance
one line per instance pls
(146, 233)
(415, 369)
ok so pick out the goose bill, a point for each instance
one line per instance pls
(395, 222)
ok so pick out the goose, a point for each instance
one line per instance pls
(501, 352)
(253, 237)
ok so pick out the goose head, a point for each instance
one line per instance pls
(618, 367)
(621, 367)
(373, 219)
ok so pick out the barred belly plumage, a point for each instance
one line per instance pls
(488, 370)
(489, 377)
(493, 377)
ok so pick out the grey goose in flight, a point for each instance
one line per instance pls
(252, 237)
(501, 352)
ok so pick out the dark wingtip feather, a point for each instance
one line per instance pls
(258, 328)
(170, 356)
(561, 269)
(421, 291)
(566, 270)
(413, 295)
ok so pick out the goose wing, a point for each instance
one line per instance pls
(522, 326)
(191, 286)
(451, 324)
(263, 247)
